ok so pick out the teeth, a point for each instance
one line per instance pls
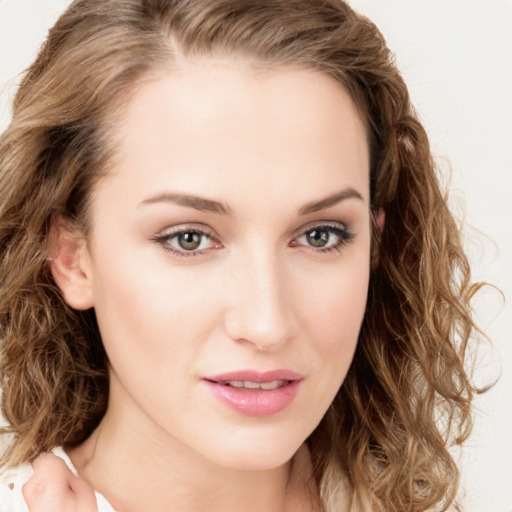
(272, 385)
(247, 384)
(251, 385)
(235, 383)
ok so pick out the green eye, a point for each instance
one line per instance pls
(318, 237)
(325, 237)
(189, 240)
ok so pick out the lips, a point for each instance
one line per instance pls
(255, 393)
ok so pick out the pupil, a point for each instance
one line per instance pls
(318, 237)
(189, 240)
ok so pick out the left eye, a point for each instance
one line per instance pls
(324, 237)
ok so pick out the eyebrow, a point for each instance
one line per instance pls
(208, 205)
(333, 199)
(198, 203)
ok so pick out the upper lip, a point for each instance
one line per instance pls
(256, 376)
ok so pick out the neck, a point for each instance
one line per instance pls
(138, 468)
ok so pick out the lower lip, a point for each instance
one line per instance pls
(255, 402)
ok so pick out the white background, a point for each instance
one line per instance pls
(456, 56)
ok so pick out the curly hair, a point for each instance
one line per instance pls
(407, 395)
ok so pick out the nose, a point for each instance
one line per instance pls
(260, 310)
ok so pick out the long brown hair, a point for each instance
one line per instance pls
(407, 395)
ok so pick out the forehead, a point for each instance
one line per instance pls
(213, 120)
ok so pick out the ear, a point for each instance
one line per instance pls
(380, 219)
(71, 266)
(378, 222)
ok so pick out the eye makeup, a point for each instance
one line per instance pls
(323, 237)
(186, 241)
(194, 240)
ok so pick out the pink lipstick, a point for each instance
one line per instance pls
(255, 393)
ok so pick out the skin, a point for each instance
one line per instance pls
(54, 488)
(259, 293)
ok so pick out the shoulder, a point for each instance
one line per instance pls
(11, 484)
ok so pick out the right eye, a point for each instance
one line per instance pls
(187, 241)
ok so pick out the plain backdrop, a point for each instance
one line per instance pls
(456, 56)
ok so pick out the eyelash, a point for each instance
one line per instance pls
(165, 239)
(337, 229)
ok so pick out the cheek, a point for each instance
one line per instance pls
(147, 313)
(334, 312)
(332, 316)
(152, 316)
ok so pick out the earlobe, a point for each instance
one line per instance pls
(380, 219)
(70, 265)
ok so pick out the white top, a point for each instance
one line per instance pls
(12, 480)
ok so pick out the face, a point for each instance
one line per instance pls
(228, 259)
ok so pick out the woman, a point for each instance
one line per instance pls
(230, 280)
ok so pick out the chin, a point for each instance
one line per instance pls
(258, 454)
